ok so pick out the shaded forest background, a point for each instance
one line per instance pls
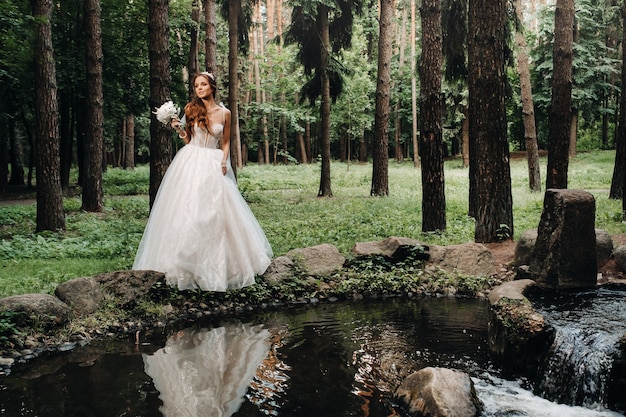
(105, 85)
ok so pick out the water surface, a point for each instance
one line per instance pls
(327, 360)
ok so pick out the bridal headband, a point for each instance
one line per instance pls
(208, 74)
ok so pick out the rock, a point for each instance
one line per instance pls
(518, 335)
(438, 392)
(320, 260)
(280, 269)
(524, 247)
(619, 254)
(394, 248)
(39, 310)
(467, 259)
(129, 286)
(604, 247)
(564, 256)
(83, 295)
(526, 244)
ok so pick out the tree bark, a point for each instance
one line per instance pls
(528, 107)
(160, 80)
(4, 162)
(92, 194)
(193, 64)
(325, 186)
(431, 110)
(560, 117)
(129, 138)
(416, 159)
(50, 214)
(619, 172)
(489, 148)
(380, 145)
(210, 41)
(16, 156)
(234, 9)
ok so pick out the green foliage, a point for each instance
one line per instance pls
(8, 327)
(595, 65)
(283, 198)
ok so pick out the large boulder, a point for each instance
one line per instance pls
(619, 255)
(281, 268)
(467, 258)
(518, 335)
(438, 392)
(126, 287)
(526, 243)
(37, 310)
(320, 260)
(83, 295)
(394, 248)
(564, 256)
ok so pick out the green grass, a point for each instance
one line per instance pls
(284, 199)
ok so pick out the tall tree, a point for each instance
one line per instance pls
(416, 159)
(431, 109)
(620, 138)
(50, 214)
(92, 194)
(560, 117)
(236, 19)
(380, 143)
(320, 30)
(160, 79)
(489, 148)
(528, 107)
(193, 62)
(210, 41)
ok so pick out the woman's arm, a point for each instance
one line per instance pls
(226, 141)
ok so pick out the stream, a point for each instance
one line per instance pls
(339, 359)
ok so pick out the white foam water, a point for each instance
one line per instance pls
(508, 398)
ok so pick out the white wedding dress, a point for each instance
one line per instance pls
(201, 233)
(206, 373)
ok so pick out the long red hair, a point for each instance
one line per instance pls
(195, 110)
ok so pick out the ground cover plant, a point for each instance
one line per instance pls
(284, 199)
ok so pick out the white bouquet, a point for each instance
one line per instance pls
(167, 112)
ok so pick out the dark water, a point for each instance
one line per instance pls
(327, 360)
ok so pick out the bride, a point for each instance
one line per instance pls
(201, 233)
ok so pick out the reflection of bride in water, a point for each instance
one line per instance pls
(207, 372)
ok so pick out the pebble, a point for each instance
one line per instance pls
(6, 361)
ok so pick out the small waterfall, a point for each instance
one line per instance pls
(588, 327)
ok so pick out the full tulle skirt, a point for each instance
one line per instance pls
(201, 232)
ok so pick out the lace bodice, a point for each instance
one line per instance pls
(201, 137)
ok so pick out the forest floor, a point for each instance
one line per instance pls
(503, 252)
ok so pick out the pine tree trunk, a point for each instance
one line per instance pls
(66, 122)
(193, 63)
(380, 145)
(528, 107)
(160, 80)
(50, 214)
(92, 194)
(416, 158)
(619, 171)
(129, 154)
(560, 117)
(16, 156)
(4, 163)
(489, 151)
(325, 186)
(234, 9)
(431, 134)
(210, 41)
